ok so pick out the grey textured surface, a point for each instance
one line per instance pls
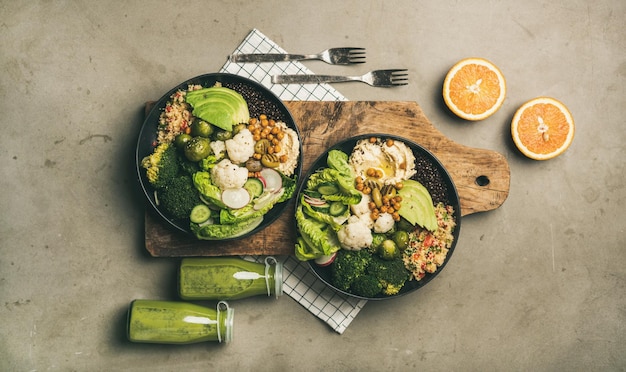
(537, 284)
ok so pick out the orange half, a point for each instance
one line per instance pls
(542, 128)
(474, 89)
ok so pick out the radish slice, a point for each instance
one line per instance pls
(267, 197)
(314, 201)
(271, 178)
(326, 260)
(235, 198)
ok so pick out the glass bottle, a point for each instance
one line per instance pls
(229, 278)
(171, 322)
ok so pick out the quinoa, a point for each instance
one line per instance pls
(176, 116)
(427, 250)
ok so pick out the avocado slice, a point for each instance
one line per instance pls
(220, 106)
(417, 205)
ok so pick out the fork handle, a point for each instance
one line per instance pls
(311, 79)
(270, 57)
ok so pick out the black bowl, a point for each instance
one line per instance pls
(260, 101)
(430, 172)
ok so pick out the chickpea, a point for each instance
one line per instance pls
(371, 206)
(256, 156)
(397, 198)
(399, 186)
(389, 142)
(264, 123)
(379, 173)
(390, 210)
(359, 186)
(359, 179)
(275, 130)
(366, 190)
(252, 121)
(280, 135)
(283, 158)
(395, 216)
(277, 148)
(263, 117)
(372, 139)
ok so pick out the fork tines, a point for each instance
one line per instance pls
(399, 76)
(356, 55)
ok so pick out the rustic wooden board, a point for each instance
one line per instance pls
(481, 176)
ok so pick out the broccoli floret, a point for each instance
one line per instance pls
(179, 197)
(161, 166)
(348, 266)
(366, 285)
(390, 273)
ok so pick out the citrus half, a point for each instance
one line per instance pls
(474, 89)
(542, 128)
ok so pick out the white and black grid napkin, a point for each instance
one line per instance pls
(299, 282)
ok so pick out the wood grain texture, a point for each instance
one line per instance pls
(482, 177)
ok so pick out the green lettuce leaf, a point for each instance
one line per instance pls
(208, 191)
(305, 252)
(334, 222)
(233, 216)
(318, 235)
(217, 231)
(338, 160)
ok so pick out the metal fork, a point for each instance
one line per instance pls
(376, 78)
(333, 56)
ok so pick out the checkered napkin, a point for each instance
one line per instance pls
(299, 282)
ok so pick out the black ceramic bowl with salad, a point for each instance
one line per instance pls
(378, 216)
(218, 157)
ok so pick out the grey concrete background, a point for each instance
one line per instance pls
(537, 284)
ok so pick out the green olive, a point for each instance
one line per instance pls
(254, 165)
(197, 148)
(223, 135)
(200, 128)
(401, 238)
(377, 197)
(270, 160)
(261, 146)
(181, 140)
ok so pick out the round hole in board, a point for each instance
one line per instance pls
(482, 180)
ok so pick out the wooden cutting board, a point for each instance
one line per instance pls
(481, 176)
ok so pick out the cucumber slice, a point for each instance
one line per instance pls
(254, 187)
(200, 213)
(337, 208)
(327, 189)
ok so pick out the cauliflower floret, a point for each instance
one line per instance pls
(241, 147)
(384, 223)
(366, 218)
(218, 148)
(227, 175)
(355, 234)
(362, 208)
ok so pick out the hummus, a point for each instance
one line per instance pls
(289, 146)
(395, 163)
